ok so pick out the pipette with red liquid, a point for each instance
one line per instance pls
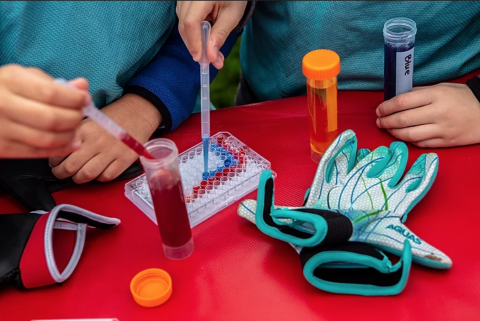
(110, 126)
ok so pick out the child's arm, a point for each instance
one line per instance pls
(444, 115)
(38, 118)
(160, 97)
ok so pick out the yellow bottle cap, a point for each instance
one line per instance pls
(151, 288)
(321, 64)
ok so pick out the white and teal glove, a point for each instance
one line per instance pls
(370, 181)
(321, 238)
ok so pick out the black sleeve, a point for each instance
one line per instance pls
(474, 85)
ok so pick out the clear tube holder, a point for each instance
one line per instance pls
(245, 164)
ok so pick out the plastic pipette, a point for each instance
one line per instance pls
(110, 126)
(205, 92)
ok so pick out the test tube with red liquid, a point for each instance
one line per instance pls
(165, 184)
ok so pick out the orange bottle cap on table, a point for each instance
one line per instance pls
(321, 64)
(151, 288)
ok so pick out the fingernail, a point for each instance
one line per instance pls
(195, 57)
(378, 112)
(76, 144)
(218, 63)
(378, 123)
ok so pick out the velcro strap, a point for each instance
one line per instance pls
(55, 246)
(300, 226)
(355, 268)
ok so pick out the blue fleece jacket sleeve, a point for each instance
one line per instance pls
(171, 81)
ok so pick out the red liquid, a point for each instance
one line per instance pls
(170, 210)
(136, 146)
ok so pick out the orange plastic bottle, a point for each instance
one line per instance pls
(321, 67)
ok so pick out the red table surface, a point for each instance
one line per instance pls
(238, 273)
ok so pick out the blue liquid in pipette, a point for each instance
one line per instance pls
(206, 141)
(205, 93)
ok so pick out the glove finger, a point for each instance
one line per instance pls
(416, 183)
(394, 169)
(384, 230)
(361, 154)
(356, 192)
(335, 164)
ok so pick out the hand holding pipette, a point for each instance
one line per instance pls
(38, 118)
(110, 126)
(205, 92)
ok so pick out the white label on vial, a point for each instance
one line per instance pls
(404, 80)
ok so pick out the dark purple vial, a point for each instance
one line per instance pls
(399, 36)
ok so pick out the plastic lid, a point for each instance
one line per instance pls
(321, 64)
(151, 287)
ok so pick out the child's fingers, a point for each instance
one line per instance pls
(74, 162)
(116, 168)
(30, 85)
(417, 133)
(38, 72)
(13, 149)
(79, 83)
(36, 138)
(93, 168)
(226, 21)
(219, 62)
(432, 143)
(56, 160)
(190, 23)
(39, 115)
(406, 101)
(407, 118)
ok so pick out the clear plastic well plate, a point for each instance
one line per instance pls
(234, 171)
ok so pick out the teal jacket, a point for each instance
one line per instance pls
(106, 42)
(279, 34)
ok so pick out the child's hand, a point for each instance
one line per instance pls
(101, 156)
(225, 16)
(443, 115)
(38, 118)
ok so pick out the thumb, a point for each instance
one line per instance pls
(79, 83)
(220, 31)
